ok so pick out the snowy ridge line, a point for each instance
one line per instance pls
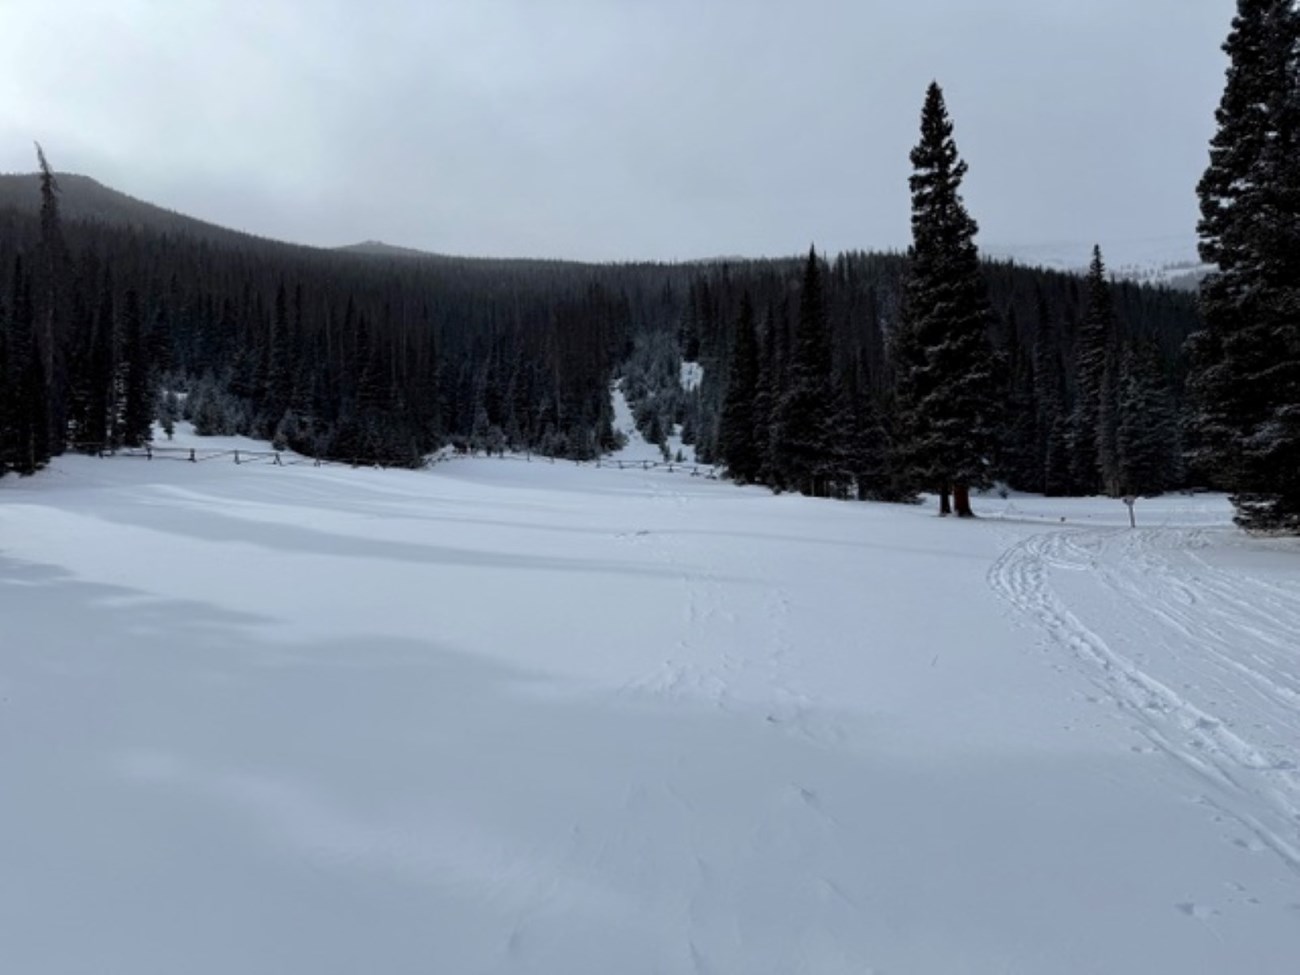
(1249, 777)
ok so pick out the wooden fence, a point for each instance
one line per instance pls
(240, 455)
(276, 458)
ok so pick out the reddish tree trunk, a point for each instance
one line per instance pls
(961, 500)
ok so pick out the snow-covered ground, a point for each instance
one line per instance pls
(692, 376)
(636, 448)
(501, 717)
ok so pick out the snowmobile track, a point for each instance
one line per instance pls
(1194, 630)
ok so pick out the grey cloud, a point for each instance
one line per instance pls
(620, 129)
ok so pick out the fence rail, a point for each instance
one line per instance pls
(276, 458)
(671, 466)
(240, 455)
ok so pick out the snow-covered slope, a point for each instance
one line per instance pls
(636, 448)
(529, 718)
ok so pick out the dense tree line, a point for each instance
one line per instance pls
(1032, 385)
(373, 359)
(1042, 404)
(877, 376)
(811, 380)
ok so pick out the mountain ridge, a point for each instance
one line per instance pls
(1158, 261)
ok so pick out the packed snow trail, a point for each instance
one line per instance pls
(1204, 662)
(520, 718)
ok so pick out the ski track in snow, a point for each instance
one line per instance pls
(1229, 710)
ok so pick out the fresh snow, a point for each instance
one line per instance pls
(692, 376)
(636, 448)
(509, 717)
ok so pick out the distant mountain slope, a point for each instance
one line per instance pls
(1170, 261)
(83, 198)
(377, 248)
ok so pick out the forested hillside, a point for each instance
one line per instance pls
(110, 303)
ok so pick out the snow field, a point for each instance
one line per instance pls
(509, 717)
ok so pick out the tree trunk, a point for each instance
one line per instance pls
(961, 500)
(945, 505)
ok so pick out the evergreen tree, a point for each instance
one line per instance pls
(1246, 381)
(737, 431)
(1021, 461)
(947, 383)
(1053, 453)
(1147, 430)
(805, 438)
(867, 449)
(1096, 348)
(100, 373)
(25, 448)
(137, 404)
(277, 390)
(1108, 418)
(765, 399)
(50, 311)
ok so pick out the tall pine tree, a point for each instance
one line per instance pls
(947, 383)
(50, 311)
(1245, 387)
(1146, 436)
(24, 440)
(1093, 423)
(137, 405)
(805, 438)
(736, 434)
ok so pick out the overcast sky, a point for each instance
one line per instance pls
(613, 129)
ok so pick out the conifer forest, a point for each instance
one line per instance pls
(852, 375)
(775, 489)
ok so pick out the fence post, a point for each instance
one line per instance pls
(236, 456)
(148, 452)
(192, 457)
